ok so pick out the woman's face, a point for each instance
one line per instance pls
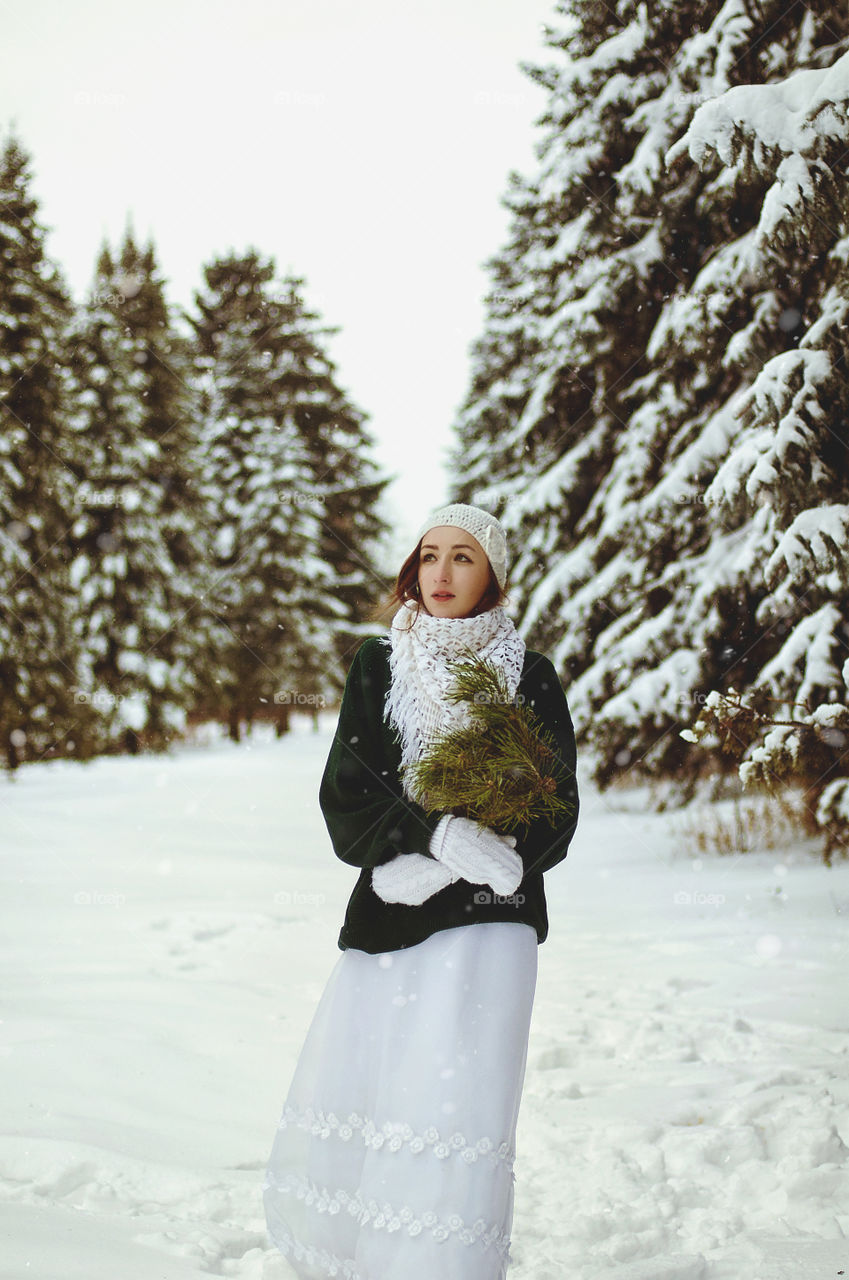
(453, 572)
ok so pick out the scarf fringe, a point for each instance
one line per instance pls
(416, 705)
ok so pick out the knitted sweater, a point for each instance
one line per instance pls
(370, 820)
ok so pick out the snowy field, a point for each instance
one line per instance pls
(169, 924)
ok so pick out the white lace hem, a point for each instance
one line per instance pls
(381, 1217)
(394, 1136)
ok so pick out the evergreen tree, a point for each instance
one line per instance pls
(164, 356)
(130, 542)
(345, 486)
(286, 501)
(643, 301)
(784, 479)
(38, 657)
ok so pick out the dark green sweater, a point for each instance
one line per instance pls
(370, 820)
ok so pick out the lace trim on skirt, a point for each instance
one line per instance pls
(383, 1216)
(394, 1136)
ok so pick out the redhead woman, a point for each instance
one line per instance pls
(394, 1155)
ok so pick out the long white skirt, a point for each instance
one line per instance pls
(394, 1156)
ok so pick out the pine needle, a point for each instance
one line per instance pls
(502, 769)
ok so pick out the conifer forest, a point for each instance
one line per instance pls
(657, 409)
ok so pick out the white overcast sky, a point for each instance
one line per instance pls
(363, 144)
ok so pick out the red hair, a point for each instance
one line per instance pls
(407, 588)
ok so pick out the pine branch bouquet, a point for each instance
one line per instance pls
(502, 769)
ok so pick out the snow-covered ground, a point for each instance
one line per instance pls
(170, 922)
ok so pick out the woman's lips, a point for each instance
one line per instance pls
(442, 595)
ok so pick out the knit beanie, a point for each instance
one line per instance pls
(481, 525)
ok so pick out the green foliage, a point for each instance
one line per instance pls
(500, 769)
(132, 541)
(190, 514)
(658, 404)
(39, 650)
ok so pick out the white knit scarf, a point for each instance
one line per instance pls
(416, 705)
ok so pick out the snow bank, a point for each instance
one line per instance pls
(171, 923)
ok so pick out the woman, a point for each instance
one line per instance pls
(394, 1155)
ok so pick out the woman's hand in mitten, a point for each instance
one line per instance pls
(477, 854)
(410, 878)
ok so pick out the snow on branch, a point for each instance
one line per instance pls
(791, 132)
(657, 694)
(702, 69)
(773, 752)
(805, 663)
(784, 408)
(816, 541)
(787, 117)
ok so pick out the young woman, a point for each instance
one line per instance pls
(394, 1155)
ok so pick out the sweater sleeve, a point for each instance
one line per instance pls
(368, 817)
(542, 845)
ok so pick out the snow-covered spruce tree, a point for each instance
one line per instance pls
(491, 445)
(130, 540)
(642, 306)
(345, 486)
(278, 505)
(38, 657)
(164, 356)
(785, 478)
(573, 292)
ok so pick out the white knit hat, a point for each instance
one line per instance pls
(481, 525)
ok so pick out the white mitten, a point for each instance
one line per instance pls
(410, 878)
(477, 854)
